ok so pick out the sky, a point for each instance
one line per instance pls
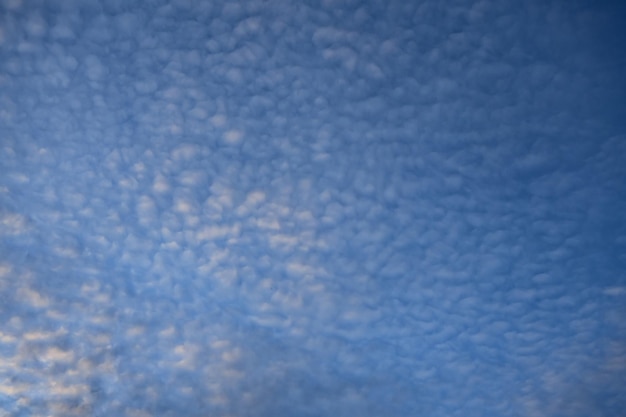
(312, 208)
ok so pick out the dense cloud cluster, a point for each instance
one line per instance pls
(334, 207)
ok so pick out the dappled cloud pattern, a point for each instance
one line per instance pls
(332, 208)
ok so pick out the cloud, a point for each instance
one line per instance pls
(254, 209)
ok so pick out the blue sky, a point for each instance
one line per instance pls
(319, 208)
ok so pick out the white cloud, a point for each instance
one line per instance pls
(274, 209)
(233, 136)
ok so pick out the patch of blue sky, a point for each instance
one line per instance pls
(251, 209)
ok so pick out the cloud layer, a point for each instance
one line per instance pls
(334, 208)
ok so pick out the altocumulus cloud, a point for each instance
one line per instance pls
(337, 208)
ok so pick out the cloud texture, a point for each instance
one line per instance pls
(337, 208)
